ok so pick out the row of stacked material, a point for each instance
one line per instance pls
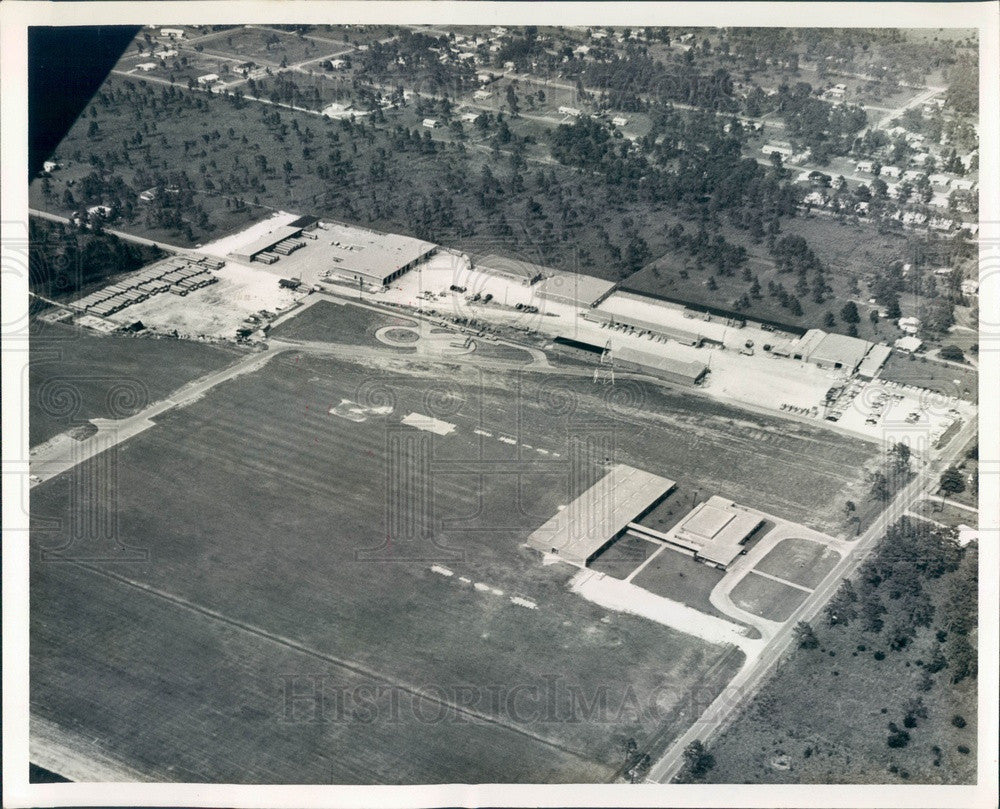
(287, 246)
(178, 275)
(267, 257)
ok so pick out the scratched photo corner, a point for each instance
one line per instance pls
(503, 404)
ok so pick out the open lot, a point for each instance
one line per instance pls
(949, 380)
(248, 554)
(679, 577)
(800, 561)
(767, 598)
(76, 375)
(325, 321)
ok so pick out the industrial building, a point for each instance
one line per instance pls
(682, 372)
(523, 272)
(714, 532)
(836, 352)
(582, 529)
(264, 249)
(574, 289)
(371, 257)
(688, 338)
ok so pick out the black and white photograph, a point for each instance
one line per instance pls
(585, 397)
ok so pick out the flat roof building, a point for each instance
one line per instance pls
(260, 245)
(683, 372)
(716, 531)
(524, 272)
(575, 289)
(370, 256)
(585, 526)
(835, 351)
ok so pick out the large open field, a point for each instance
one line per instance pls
(77, 375)
(293, 551)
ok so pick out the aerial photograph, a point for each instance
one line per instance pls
(503, 404)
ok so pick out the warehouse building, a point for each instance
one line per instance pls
(262, 248)
(610, 319)
(836, 352)
(592, 521)
(523, 272)
(681, 372)
(574, 289)
(367, 256)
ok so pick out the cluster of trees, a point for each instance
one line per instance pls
(628, 76)
(64, 258)
(916, 580)
(825, 129)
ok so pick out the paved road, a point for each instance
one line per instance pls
(121, 234)
(746, 683)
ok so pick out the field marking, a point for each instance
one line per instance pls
(349, 665)
(781, 581)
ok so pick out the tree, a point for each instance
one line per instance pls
(697, 760)
(878, 486)
(952, 481)
(805, 635)
(899, 460)
(849, 313)
(829, 321)
(953, 353)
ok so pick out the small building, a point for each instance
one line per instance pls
(338, 64)
(145, 67)
(619, 120)
(172, 33)
(208, 78)
(166, 53)
(961, 184)
(430, 123)
(481, 95)
(866, 167)
(942, 180)
(716, 531)
(970, 287)
(49, 166)
(909, 325)
(891, 171)
(908, 344)
(469, 117)
(776, 148)
(485, 78)
(572, 111)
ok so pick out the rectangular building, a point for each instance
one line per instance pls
(367, 256)
(575, 289)
(585, 526)
(716, 531)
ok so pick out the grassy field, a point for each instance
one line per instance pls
(77, 375)
(291, 549)
(800, 561)
(767, 598)
(924, 373)
(624, 556)
(824, 716)
(679, 577)
(331, 322)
